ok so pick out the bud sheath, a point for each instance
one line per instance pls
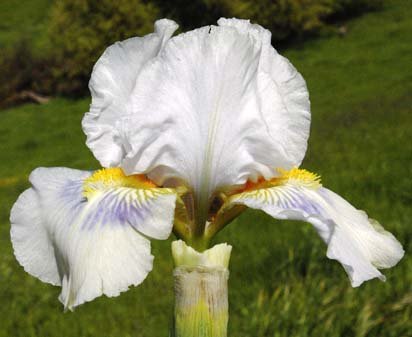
(201, 293)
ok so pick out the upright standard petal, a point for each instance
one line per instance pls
(217, 107)
(86, 232)
(359, 243)
(111, 84)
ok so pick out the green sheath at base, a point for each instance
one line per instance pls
(201, 292)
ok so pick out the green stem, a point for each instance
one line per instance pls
(199, 243)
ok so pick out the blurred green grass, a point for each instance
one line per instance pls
(281, 282)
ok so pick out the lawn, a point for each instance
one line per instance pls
(281, 282)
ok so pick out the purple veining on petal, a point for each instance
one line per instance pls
(299, 202)
(308, 206)
(115, 209)
(72, 197)
(325, 195)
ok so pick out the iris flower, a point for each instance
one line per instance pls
(190, 131)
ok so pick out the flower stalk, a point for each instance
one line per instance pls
(201, 291)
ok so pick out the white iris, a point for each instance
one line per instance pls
(200, 122)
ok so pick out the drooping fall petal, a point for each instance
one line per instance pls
(86, 232)
(359, 243)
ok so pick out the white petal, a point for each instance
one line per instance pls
(30, 239)
(288, 121)
(218, 106)
(358, 243)
(90, 246)
(111, 83)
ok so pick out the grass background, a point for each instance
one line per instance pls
(281, 282)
